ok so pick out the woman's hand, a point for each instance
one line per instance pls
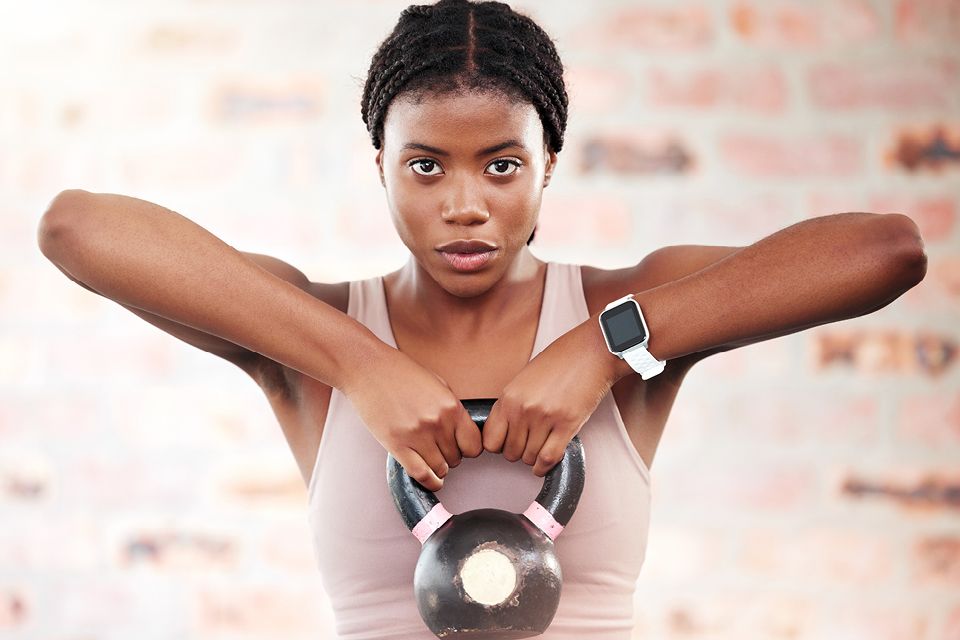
(415, 415)
(544, 406)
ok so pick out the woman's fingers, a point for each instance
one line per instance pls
(536, 438)
(495, 429)
(516, 440)
(551, 452)
(469, 439)
(420, 470)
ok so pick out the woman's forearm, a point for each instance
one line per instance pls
(143, 255)
(814, 272)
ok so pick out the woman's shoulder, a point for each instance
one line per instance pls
(335, 294)
(600, 285)
(658, 267)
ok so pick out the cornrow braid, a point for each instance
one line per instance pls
(455, 45)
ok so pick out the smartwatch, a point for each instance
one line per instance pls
(625, 331)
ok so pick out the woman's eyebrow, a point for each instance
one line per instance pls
(440, 152)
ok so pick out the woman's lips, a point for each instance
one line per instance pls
(466, 262)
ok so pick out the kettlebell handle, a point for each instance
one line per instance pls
(552, 509)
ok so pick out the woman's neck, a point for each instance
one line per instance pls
(448, 307)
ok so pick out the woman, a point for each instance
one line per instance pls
(466, 106)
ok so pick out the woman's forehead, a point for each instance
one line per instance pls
(460, 119)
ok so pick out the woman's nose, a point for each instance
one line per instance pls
(465, 203)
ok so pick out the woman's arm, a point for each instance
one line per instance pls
(814, 272)
(147, 257)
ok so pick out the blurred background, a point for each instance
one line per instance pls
(806, 487)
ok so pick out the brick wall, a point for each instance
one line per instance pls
(145, 488)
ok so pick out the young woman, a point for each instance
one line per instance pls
(466, 107)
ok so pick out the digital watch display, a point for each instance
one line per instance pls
(626, 334)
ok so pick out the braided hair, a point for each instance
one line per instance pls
(459, 45)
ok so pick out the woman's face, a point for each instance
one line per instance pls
(464, 167)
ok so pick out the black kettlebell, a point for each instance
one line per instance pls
(489, 573)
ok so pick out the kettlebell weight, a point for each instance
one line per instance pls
(489, 573)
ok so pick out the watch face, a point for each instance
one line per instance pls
(622, 326)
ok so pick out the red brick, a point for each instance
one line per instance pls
(76, 417)
(595, 221)
(679, 554)
(917, 491)
(171, 167)
(760, 89)
(927, 21)
(894, 85)
(878, 351)
(761, 360)
(98, 600)
(819, 554)
(635, 153)
(766, 156)
(724, 610)
(939, 293)
(596, 89)
(658, 28)
(178, 548)
(25, 476)
(286, 544)
(73, 545)
(263, 100)
(724, 484)
(792, 24)
(258, 229)
(263, 484)
(946, 271)
(859, 617)
(737, 218)
(930, 419)
(190, 40)
(15, 608)
(952, 625)
(105, 481)
(936, 561)
(935, 214)
(699, 614)
(271, 610)
(115, 359)
(828, 422)
(928, 148)
(778, 614)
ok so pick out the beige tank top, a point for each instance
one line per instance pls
(366, 555)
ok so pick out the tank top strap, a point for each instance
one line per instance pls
(564, 304)
(368, 305)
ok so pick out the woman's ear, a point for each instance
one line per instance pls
(550, 165)
(379, 160)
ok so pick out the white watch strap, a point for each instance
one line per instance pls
(643, 362)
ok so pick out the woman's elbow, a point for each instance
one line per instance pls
(57, 220)
(908, 249)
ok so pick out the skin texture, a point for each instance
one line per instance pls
(697, 300)
(813, 272)
(461, 191)
(466, 196)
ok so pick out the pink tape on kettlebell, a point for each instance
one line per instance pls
(431, 522)
(543, 519)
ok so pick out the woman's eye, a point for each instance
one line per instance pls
(503, 166)
(427, 165)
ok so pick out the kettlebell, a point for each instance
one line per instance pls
(489, 573)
